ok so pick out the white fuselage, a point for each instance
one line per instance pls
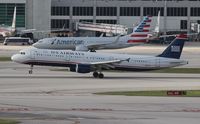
(66, 58)
(7, 31)
(86, 43)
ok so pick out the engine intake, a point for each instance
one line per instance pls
(80, 68)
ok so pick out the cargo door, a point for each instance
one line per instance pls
(67, 57)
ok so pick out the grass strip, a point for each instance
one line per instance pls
(8, 121)
(64, 69)
(178, 70)
(4, 58)
(188, 93)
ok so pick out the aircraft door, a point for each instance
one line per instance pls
(33, 54)
(67, 57)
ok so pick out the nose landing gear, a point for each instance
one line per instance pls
(31, 70)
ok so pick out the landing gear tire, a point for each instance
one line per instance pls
(30, 71)
(95, 74)
(101, 75)
(92, 50)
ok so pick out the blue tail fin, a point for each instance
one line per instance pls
(174, 50)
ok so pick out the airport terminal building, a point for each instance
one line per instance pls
(176, 15)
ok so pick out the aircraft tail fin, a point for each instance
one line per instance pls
(175, 48)
(156, 30)
(143, 28)
(140, 32)
(14, 19)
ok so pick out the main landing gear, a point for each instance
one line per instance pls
(92, 50)
(98, 75)
(31, 70)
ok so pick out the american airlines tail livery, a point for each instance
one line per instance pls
(86, 62)
(138, 36)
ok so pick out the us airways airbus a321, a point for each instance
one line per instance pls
(138, 36)
(86, 62)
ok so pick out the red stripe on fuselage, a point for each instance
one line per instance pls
(137, 41)
(139, 35)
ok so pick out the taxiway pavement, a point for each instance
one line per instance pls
(61, 97)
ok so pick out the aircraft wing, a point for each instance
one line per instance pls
(27, 31)
(107, 64)
(99, 44)
(175, 35)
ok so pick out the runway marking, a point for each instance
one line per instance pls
(88, 109)
(32, 108)
(191, 110)
(11, 109)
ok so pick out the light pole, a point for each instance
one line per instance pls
(165, 17)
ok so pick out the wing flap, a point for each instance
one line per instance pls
(110, 61)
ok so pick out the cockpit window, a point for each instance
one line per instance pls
(22, 53)
(40, 41)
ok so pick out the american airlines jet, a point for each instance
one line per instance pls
(138, 36)
(86, 62)
(7, 31)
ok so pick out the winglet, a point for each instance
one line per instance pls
(128, 59)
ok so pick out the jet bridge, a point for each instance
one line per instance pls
(101, 27)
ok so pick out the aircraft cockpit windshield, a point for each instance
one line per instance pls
(22, 53)
(40, 41)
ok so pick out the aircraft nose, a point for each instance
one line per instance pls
(39, 45)
(36, 45)
(15, 58)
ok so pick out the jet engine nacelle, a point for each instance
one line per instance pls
(81, 48)
(80, 68)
